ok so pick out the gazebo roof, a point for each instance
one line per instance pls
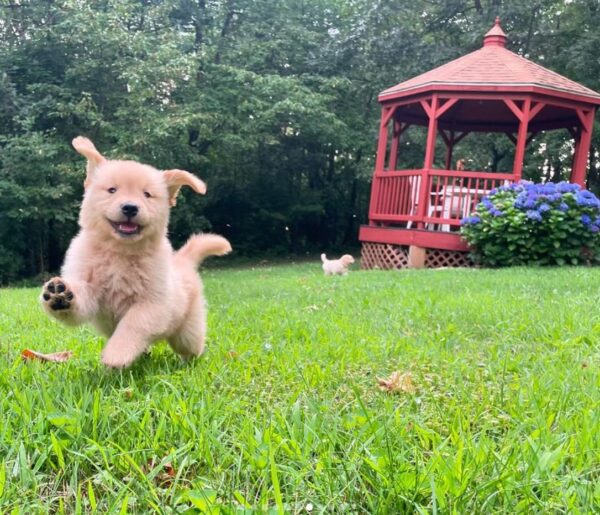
(493, 68)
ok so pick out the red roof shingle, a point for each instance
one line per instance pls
(491, 66)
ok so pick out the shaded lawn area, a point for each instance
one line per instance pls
(283, 412)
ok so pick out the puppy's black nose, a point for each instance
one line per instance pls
(129, 210)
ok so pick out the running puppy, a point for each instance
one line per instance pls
(337, 266)
(121, 273)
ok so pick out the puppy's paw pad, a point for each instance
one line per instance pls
(57, 295)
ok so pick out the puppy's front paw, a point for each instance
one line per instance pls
(56, 295)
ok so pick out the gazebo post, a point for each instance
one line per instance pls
(395, 142)
(379, 161)
(416, 255)
(383, 138)
(431, 133)
(582, 147)
(521, 139)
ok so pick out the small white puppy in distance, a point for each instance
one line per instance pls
(121, 274)
(337, 266)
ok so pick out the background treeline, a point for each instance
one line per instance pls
(272, 102)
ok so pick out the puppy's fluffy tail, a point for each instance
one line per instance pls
(200, 246)
(323, 258)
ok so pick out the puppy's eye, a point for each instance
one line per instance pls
(112, 190)
(147, 195)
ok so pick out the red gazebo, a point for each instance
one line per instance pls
(414, 215)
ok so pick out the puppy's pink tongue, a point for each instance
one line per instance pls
(128, 227)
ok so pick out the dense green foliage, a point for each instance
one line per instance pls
(272, 102)
(284, 410)
(535, 224)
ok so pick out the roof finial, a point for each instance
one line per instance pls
(495, 36)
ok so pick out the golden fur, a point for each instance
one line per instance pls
(121, 273)
(337, 266)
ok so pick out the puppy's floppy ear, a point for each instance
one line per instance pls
(175, 179)
(94, 158)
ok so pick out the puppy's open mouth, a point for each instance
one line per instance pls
(126, 228)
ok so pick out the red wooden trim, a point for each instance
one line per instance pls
(446, 173)
(394, 146)
(562, 102)
(431, 134)
(477, 175)
(398, 173)
(536, 109)
(382, 144)
(500, 90)
(511, 127)
(426, 107)
(426, 239)
(583, 148)
(447, 105)
(388, 115)
(490, 127)
(442, 221)
(521, 139)
(382, 217)
(583, 116)
(405, 101)
(428, 161)
(514, 108)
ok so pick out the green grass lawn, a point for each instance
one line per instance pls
(283, 412)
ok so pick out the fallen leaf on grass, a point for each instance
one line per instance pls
(57, 357)
(397, 382)
(165, 476)
(232, 354)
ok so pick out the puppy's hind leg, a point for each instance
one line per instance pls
(188, 342)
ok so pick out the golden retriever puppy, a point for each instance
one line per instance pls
(121, 273)
(337, 266)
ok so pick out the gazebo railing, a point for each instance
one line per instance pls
(431, 199)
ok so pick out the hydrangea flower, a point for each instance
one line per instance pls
(487, 203)
(534, 215)
(553, 207)
(586, 198)
(544, 208)
(470, 220)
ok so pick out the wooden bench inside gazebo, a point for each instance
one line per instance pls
(415, 214)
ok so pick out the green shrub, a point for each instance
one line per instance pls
(541, 224)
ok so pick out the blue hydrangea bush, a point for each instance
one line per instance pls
(543, 224)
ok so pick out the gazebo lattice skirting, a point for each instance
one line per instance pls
(384, 256)
(415, 214)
